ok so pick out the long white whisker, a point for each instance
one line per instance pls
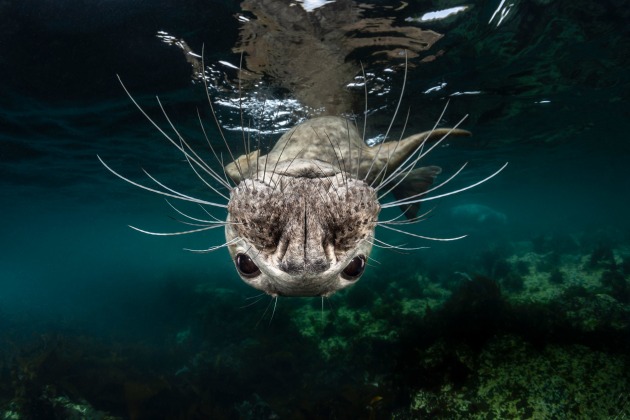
(193, 218)
(386, 245)
(251, 303)
(175, 233)
(179, 196)
(204, 180)
(402, 92)
(321, 316)
(440, 185)
(193, 156)
(258, 299)
(279, 157)
(274, 309)
(423, 237)
(288, 166)
(390, 154)
(403, 166)
(214, 248)
(266, 309)
(365, 112)
(403, 202)
(152, 178)
(413, 220)
(220, 161)
(410, 166)
(184, 222)
(240, 110)
(197, 161)
(340, 159)
(216, 119)
(216, 219)
(349, 150)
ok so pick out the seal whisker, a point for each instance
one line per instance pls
(423, 237)
(213, 248)
(197, 159)
(204, 180)
(280, 155)
(289, 165)
(213, 217)
(332, 147)
(330, 185)
(321, 313)
(263, 294)
(178, 146)
(175, 233)
(402, 92)
(266, 309)
(404, 167)
(163, 185)
(349, 150)
(340, 161)
(201, 222)
(420, 200)
(273, 312)
(216, 221)
(214, 115)
(258, 299)
(423, 193)
(240, 110)
(415, 219)
(411, 221)
(385, 245)
(407, 168)
(184, 222)
(251, 303)
(260, 117)
(220, 161)
(274, 119)
(179, 196)
(383, 170)
(365, 115)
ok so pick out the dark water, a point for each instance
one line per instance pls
(529, 316)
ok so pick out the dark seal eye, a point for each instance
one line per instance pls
(246, 266)
(354, 270)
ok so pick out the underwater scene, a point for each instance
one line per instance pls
(482, 291)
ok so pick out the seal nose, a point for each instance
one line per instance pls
(300, 266)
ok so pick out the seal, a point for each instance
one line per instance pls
(301, 219)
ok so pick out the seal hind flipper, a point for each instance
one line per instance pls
(414, 183)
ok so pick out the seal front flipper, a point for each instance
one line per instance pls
(245, 166)
(414, 183)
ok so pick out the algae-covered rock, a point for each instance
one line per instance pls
(513, 379)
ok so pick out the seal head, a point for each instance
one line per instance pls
(304, 230)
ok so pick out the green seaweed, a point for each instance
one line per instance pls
(556, 277)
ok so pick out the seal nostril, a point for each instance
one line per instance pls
(354, 270)
(246, 266)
